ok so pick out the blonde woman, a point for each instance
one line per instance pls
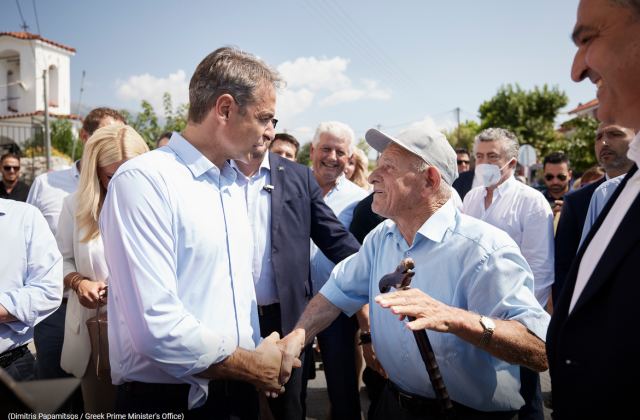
(357, 169)
(85, 269)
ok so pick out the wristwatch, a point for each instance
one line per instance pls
(489, 327)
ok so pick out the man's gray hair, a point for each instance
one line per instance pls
(632, 4)
(337, 129)
(509, 140)
(231, 71)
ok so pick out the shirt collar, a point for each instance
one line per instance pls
(197, 163)
(503, 188)
(263, 165)
(436, 226)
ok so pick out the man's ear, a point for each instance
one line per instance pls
(223, 107)
(432, 178)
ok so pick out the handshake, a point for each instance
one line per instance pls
(275, 359)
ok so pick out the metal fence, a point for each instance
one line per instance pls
(26, 139)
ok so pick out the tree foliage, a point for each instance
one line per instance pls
(303, 154)
(463, 135)
(529, 114)
(578, 142)
(147, 123)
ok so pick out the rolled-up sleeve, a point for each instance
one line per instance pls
(140, 248)
(348, 285)
(502, 287)
(41, 292)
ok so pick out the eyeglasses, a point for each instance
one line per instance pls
(561, 177)
(9, 168)
(463, 162)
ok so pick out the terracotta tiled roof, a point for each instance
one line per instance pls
(28, 36)
(40, 113)
(591, 104)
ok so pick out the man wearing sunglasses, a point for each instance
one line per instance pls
(11, 187)
(557, 177)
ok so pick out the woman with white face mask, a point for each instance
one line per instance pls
(524, 214)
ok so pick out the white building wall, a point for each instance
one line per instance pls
(35, 56)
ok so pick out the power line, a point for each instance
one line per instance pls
(24, 25)
(35, 13)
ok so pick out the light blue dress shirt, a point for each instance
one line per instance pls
(342, 199)
(259, 209)
(462, 262)
(30, 271)
(178, 247)
(599, 199)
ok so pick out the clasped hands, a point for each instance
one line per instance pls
(279, 358)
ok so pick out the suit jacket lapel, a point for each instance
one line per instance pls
(277, 195)
(626, 235)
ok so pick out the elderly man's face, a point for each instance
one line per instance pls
(612, 143)
(328, 158)
(397, 185)
(608, 40)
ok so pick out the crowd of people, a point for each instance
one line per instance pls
(218, 259)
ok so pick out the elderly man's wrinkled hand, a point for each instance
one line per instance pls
(291, 347)
(428, 313)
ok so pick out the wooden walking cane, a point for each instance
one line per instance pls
(401, 279)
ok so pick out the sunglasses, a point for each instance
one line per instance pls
(9, 167)
(465, 162)
(561, 177)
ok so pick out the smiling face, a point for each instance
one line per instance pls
(612, 143)
(397, 185)
(608, 40)
(329, 158)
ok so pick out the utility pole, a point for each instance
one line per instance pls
(457, 111)
(47, 133)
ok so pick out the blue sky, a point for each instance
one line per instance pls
(366, 63)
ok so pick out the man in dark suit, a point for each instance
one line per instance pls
(591, 341)
(611, 145)
(288, 200)
(464, 183)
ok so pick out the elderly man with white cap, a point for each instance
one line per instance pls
(472, 290)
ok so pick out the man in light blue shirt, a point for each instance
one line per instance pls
(599, 199)
(183, 322)
(472, 291)
(30, 283)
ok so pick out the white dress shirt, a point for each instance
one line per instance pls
(525, 215)
(258, 201)
(342, 199)
(86, 258)
(178, 246)
(48, 190)
(30, 272)
(608, 228)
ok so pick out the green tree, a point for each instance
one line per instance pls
(463, 135)
(578, 142)
(62, 138)
(303, 154)
(147, 122)
(529, 114)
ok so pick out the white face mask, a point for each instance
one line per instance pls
(488, 174)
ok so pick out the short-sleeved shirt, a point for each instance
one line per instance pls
(462, 262)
